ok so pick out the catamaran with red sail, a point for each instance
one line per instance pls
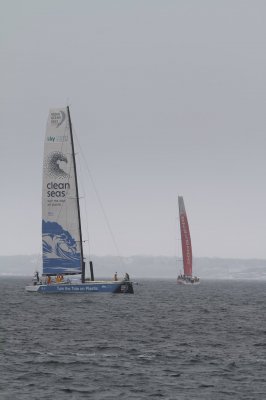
(186, 278)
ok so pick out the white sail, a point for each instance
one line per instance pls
(60, 218)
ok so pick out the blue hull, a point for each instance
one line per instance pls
(92, 287)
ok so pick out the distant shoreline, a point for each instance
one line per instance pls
(147, 267)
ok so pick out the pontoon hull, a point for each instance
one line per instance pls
(88, 287)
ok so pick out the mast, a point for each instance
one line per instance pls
(77, 195)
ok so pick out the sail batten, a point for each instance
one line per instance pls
(61, 234)
(185, 238)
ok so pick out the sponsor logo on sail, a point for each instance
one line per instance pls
(57, 189)
(57, 139)
(57, 118)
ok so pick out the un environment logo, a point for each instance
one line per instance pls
(55, 165)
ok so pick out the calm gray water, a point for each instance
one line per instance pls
(166, 341)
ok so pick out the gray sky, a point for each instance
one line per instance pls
(167, 98)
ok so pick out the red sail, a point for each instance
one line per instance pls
(185, 238)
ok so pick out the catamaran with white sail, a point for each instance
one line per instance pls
(186, 278)
(62, 244)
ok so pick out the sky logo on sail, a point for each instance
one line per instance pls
(58, 139)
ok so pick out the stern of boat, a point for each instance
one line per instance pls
(125, 287)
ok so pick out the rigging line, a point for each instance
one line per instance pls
(86, 212)
(100, 202)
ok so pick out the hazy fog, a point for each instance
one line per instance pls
(167, 98)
